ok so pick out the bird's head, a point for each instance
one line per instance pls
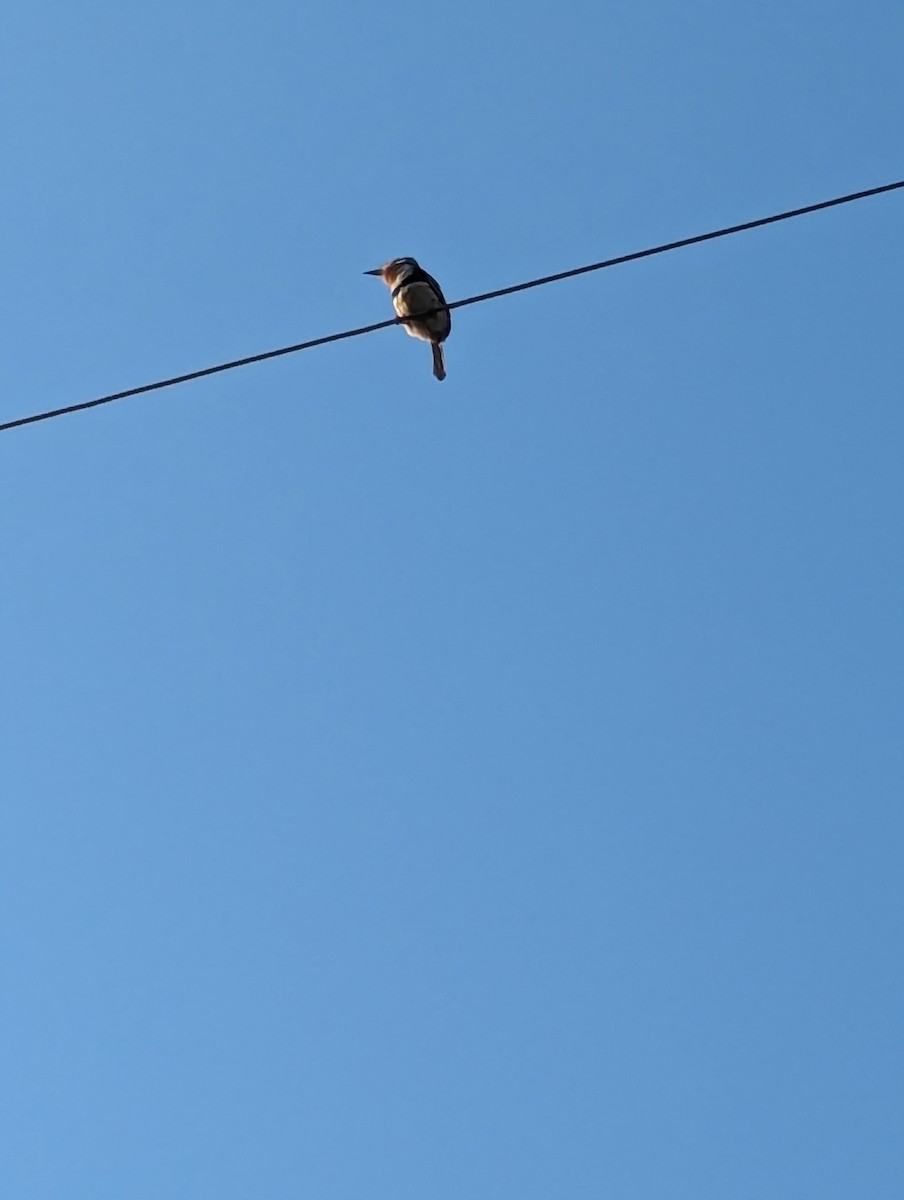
(395, 271)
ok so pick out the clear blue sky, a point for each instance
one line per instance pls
(478, 791)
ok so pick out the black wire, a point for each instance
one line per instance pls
(171, 382)
(506, 291)
(689, 241)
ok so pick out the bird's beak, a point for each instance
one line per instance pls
(378, 271)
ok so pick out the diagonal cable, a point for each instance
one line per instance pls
(636, 255)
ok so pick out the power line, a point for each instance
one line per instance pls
(689, 241)
(479, 299)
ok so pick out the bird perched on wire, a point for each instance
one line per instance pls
(418, 299)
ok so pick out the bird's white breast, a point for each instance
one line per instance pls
(416, 298)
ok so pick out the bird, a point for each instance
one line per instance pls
(419, 300)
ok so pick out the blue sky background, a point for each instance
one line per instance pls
(487, 790)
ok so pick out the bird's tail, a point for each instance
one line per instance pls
(439, 360)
